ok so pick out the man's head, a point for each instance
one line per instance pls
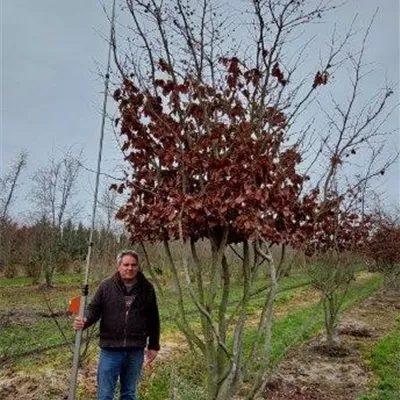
(128, 265)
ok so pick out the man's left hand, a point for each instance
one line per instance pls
(151, 355)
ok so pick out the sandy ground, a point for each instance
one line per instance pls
(309, 373)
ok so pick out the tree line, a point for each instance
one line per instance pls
(40, 250)
(55, 240)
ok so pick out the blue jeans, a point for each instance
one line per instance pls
(123, 364)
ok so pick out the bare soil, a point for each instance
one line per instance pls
(51, 384)
(311, 372)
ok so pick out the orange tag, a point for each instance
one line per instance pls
(74, 305)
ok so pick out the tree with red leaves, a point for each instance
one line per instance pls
(198, 159)
(212, 159)
(339, 235)
(205, 171)
(383, 248)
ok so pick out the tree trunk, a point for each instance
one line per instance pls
(330, 315)
(230, 385)
(392, 279)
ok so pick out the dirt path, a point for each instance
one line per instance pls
(306, 373)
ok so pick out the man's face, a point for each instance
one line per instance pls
(128, 268)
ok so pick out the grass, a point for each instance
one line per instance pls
(26, 306)
(26, 318)
(296, 327)
(30, 332)
(21, 281)
(183, 374)
(385, 363)
(180, 378)
(303, 323)
(287, 289)
(16, 340)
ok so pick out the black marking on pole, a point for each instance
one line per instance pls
(85, 290)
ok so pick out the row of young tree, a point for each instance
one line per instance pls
(230, 140)
(41, 249)
(53, 239)
(52, 188)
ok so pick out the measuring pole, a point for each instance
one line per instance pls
(85, 287)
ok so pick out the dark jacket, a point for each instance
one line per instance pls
(122, 327)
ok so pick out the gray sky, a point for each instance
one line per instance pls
(50, 86)
(51, 93)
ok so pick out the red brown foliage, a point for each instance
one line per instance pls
(213, 157)
(321, 78)
(384, 244)
(337, 229)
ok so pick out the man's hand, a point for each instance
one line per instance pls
(151, 355)
(79, 323)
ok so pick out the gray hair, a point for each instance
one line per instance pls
(124, 253)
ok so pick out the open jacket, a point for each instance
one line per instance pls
(121, 327)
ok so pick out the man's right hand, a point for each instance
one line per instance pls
(79, 323)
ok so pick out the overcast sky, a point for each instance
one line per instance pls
(51, 51)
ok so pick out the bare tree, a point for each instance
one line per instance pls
(108, 207)
(354, 145)
(54, 186)
(8, 229)
(354, 153)
(9, 183)
(108, 231)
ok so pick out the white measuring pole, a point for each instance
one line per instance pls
(85, 287)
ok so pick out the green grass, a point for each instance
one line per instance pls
(17, 281)
(15, 340)
(298, 326)
(28, 301)
(21, 281)
(182, 376)
(385, 363)
(29, 331)
(303, 323)
(288, 288)
(185, 373)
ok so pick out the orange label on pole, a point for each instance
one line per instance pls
(74, 305)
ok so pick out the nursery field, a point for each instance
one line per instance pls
(247, 165)
(36, 345)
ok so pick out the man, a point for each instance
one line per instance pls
(126, 305)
